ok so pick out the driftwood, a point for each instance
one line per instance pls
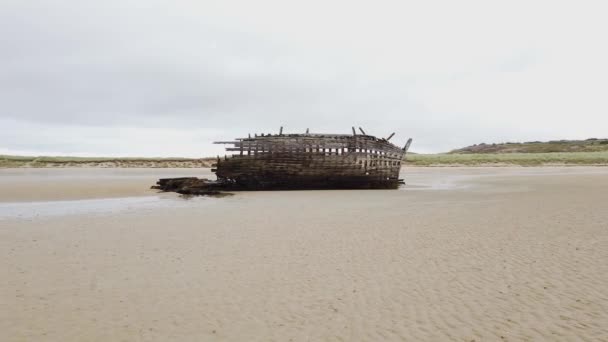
(300, 161)
(189, 186)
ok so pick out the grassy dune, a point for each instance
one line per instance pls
(506, 159)
(39, 162)
(447, 159)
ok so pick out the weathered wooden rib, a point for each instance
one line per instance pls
(302, 161)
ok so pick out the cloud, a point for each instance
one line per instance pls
(111, 77)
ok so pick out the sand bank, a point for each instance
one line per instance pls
(461, 254)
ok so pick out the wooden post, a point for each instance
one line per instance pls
(281, 131)
(390, 136)
(362, 131)
(354, 132)
(407, 145)
(307, 131)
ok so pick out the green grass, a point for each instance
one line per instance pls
(451, 159)
(519, 159)
(25, 161)
(87, 159)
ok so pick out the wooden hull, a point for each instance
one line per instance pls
(274, 171)
(281, 182)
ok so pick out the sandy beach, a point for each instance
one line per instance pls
(459, 254)
(32, 185)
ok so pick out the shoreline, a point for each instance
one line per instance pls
(21, 185)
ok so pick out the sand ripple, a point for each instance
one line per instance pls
(518, 257)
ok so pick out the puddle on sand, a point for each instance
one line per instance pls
(428, 182)
(35, 210)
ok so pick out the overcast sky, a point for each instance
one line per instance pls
(166, 78)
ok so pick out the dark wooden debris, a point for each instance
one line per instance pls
(191, 186)
(300, 161)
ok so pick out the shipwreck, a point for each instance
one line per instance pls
(300, 161)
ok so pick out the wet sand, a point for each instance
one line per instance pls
(459, 254)
(47, 184)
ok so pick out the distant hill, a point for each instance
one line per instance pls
(589, 145)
